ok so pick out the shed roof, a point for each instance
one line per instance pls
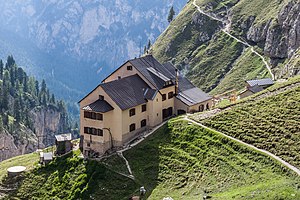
(101, 106)
(260, 82)
(193, 96)
(63, 137)
(48, 156)
(127, 92)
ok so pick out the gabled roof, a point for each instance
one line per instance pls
(150, 94)
(64, 137)
(127, 92)
(152, 70)
(99, 106)
(193, 96)
(260, 82)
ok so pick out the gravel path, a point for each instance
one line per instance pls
(226, 30)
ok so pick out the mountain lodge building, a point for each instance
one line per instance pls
(140, 94)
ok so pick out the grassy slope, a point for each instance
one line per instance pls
(180, 45)
(71, 177)
(271, 123)
(183, 161)
(180, 160)
(28, 161)
(181, 38)
(248, 66)
(212, 62)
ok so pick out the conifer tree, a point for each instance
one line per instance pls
(149, 44)
(1, 69)
(171, 14)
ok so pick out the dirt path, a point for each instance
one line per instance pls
(291, 167)
(226, 30)
(127, 163)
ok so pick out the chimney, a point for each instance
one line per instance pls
(176, 81)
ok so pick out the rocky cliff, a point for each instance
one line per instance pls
(220, 44)
(46, 123)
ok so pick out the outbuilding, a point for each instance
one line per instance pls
(63, 143)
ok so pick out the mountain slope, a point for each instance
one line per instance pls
(180, 160)
(271, 123)
(269, 28)
(74, 44)
(29, 114)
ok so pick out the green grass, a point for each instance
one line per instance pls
(27, 160)
(271, 123)
(212, 62)
(248, 66)
(183, 161)
(181, 38)
(180, 160)
(70, 177)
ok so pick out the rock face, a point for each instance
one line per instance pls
(281, 37)
(23, 140)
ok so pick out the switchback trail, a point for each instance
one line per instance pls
(226, 30)
(288, 165)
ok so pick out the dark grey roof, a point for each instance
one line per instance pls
(260, 82)
(150, 94)
(193, 96)
(127, 92)
(152, 70)
(101, 106)
(183, 83)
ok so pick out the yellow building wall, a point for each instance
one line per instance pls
(179, 105)
(155, 110)
(111, 120)
(168, 102)
(195, 108)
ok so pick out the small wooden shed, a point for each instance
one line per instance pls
(63, 143)
(45, 158)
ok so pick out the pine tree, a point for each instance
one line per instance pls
(1, 124)
(17, 111)
(171, 14)
(44, 86)
(149, 44)
(1, 69)
(37, 88)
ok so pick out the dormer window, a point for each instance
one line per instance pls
(101, 97)
(129, 67)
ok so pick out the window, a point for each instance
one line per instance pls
(143, 123)
(129, 67)
(132, 127)
(99, 116)
(93, 115)
(87, 114)
(164, 97)
(93, 131)
(131, 112)
(144, 108)
(119, 77)
(170, 95)
(101, 97)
